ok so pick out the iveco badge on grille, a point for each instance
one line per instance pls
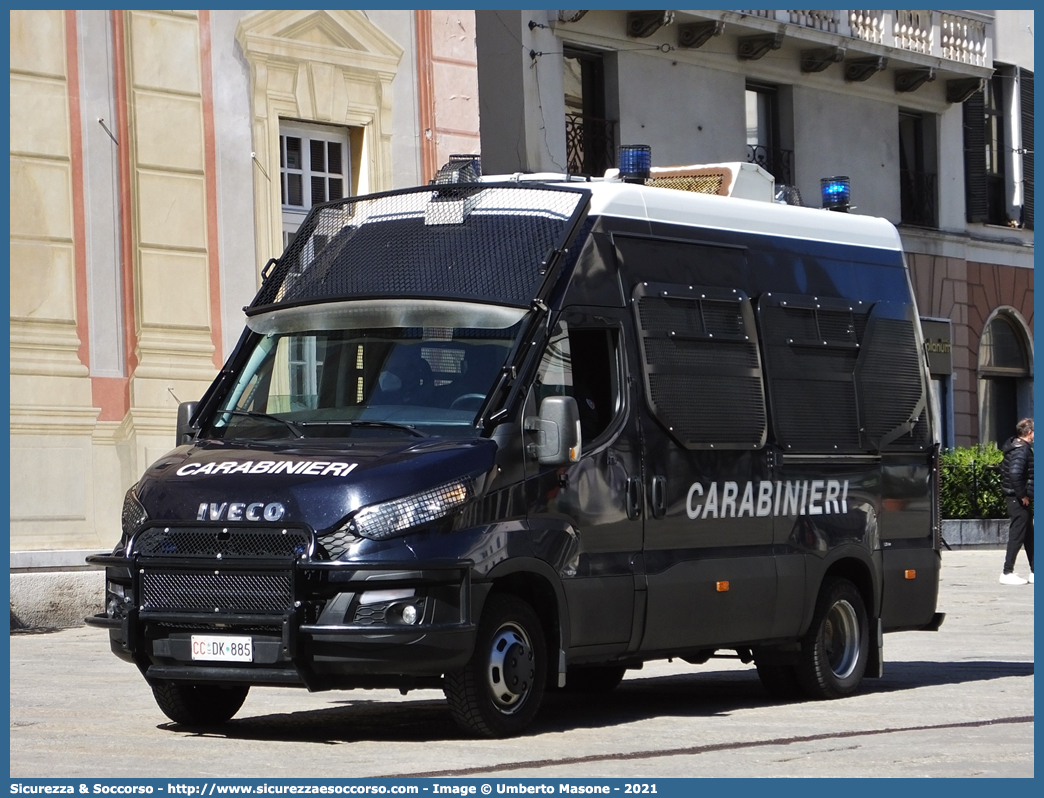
(240, 511)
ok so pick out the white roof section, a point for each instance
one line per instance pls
(651, 204)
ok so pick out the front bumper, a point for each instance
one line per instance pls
(310, 622)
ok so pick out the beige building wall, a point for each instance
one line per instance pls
(187, 106)
(52, 413)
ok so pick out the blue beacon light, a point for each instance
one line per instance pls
(836, 193)
(635, 162)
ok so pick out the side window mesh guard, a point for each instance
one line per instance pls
(701, 365)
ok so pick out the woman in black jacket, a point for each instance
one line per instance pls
(1017, 486)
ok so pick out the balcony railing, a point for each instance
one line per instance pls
(774, 160)
(963, 39)
(918, 192)
(945, 34)
(590, 144)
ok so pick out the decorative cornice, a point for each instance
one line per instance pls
(859, 69)
(643, 24)
(819, 58)
(751, 48)
(907, 80)
(957, 91)
(696, 34)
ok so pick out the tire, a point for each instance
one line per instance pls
(498, 692)
(778, 678)
(198, 704)
(593, 678)
(836, 648)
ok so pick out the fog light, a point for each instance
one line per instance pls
(409, 614)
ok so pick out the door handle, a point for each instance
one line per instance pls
(659, 497)
(634, 497)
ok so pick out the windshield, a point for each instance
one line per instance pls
(364, 382)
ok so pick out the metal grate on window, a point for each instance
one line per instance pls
(701, 363)
(843, 376)
(478, 242)
(812, 346)
(890, 381)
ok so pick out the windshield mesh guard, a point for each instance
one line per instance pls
(476, 242)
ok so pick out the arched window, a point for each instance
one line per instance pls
(1005, 376)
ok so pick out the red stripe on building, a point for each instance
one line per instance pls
(426, 97)
(210, 168)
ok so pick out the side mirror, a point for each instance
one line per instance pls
(186, 410)
(558, 431)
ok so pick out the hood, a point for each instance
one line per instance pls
(1012, 444)
(303, 482)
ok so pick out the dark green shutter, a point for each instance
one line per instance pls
(1026, 104)
(976, 202)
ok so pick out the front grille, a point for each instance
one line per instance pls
(215, 592)
(229, 542)
(209, 627)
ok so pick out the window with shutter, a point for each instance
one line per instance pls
(977, 209)
(1026, 118)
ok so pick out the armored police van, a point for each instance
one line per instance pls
(502, 436)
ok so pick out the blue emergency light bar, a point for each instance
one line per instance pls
(836, 193)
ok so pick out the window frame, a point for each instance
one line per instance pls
(567, 322)
(293, 215)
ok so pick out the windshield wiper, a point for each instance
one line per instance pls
(253, 414)
(373, 424)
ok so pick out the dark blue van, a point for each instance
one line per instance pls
(508, 435)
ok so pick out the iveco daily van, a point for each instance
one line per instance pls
(508, 435)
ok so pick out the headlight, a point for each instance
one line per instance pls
(388, 519)
(134, 515)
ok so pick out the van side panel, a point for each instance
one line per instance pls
(842, 477)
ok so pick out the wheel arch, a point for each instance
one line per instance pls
(536, 583)
(857, 567)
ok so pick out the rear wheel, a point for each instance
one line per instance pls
(498, 692)
(198, 704)
(835, 650)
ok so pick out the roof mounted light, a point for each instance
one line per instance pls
(836, 193)
(460, 169)
(635, 162)
(460, 182)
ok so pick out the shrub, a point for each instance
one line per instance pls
(971, 482)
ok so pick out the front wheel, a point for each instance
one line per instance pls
(835, 650)
(498, 692)
(198, 704)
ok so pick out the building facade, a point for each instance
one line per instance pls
(928, 113)
(159, 159)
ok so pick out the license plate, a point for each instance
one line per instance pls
(223, 648)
